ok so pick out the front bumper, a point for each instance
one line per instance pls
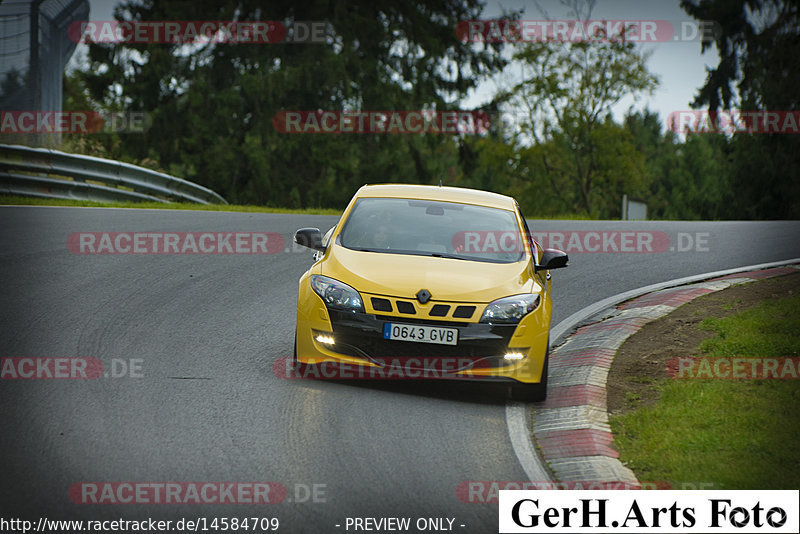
(360, 335)
(479, 355)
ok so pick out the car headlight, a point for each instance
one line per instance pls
(510, 309)
(336, 294)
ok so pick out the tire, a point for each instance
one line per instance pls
(533, 392)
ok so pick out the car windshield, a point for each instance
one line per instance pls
(433, 228)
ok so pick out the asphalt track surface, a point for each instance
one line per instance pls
(206, 329)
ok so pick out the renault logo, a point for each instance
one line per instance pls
(423, 296)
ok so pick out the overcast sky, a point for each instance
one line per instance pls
(679, 65)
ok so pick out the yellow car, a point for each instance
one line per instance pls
(423, 282)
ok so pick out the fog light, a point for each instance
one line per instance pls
(322, 338)
(514, 356)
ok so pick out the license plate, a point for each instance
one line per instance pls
(420, 333)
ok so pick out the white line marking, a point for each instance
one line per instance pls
(521, 442)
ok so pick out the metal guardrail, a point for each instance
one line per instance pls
(40, 172)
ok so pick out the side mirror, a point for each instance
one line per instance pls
(309, 237)
(552, 259)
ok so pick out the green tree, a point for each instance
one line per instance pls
(759, 69)
(564, 100)
(687, 180)
(212, 105)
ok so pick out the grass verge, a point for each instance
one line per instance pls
(723, 433)
(31, 201)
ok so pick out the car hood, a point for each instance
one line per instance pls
(403, 275)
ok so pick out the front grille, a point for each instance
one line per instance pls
(439, 310)
(361, 335)
(379, 304)
(458, 312)
(464, 312)
(405, 307)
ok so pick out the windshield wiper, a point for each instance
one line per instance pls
(429, 254)
(445, 255)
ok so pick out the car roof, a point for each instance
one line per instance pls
(432, 192)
